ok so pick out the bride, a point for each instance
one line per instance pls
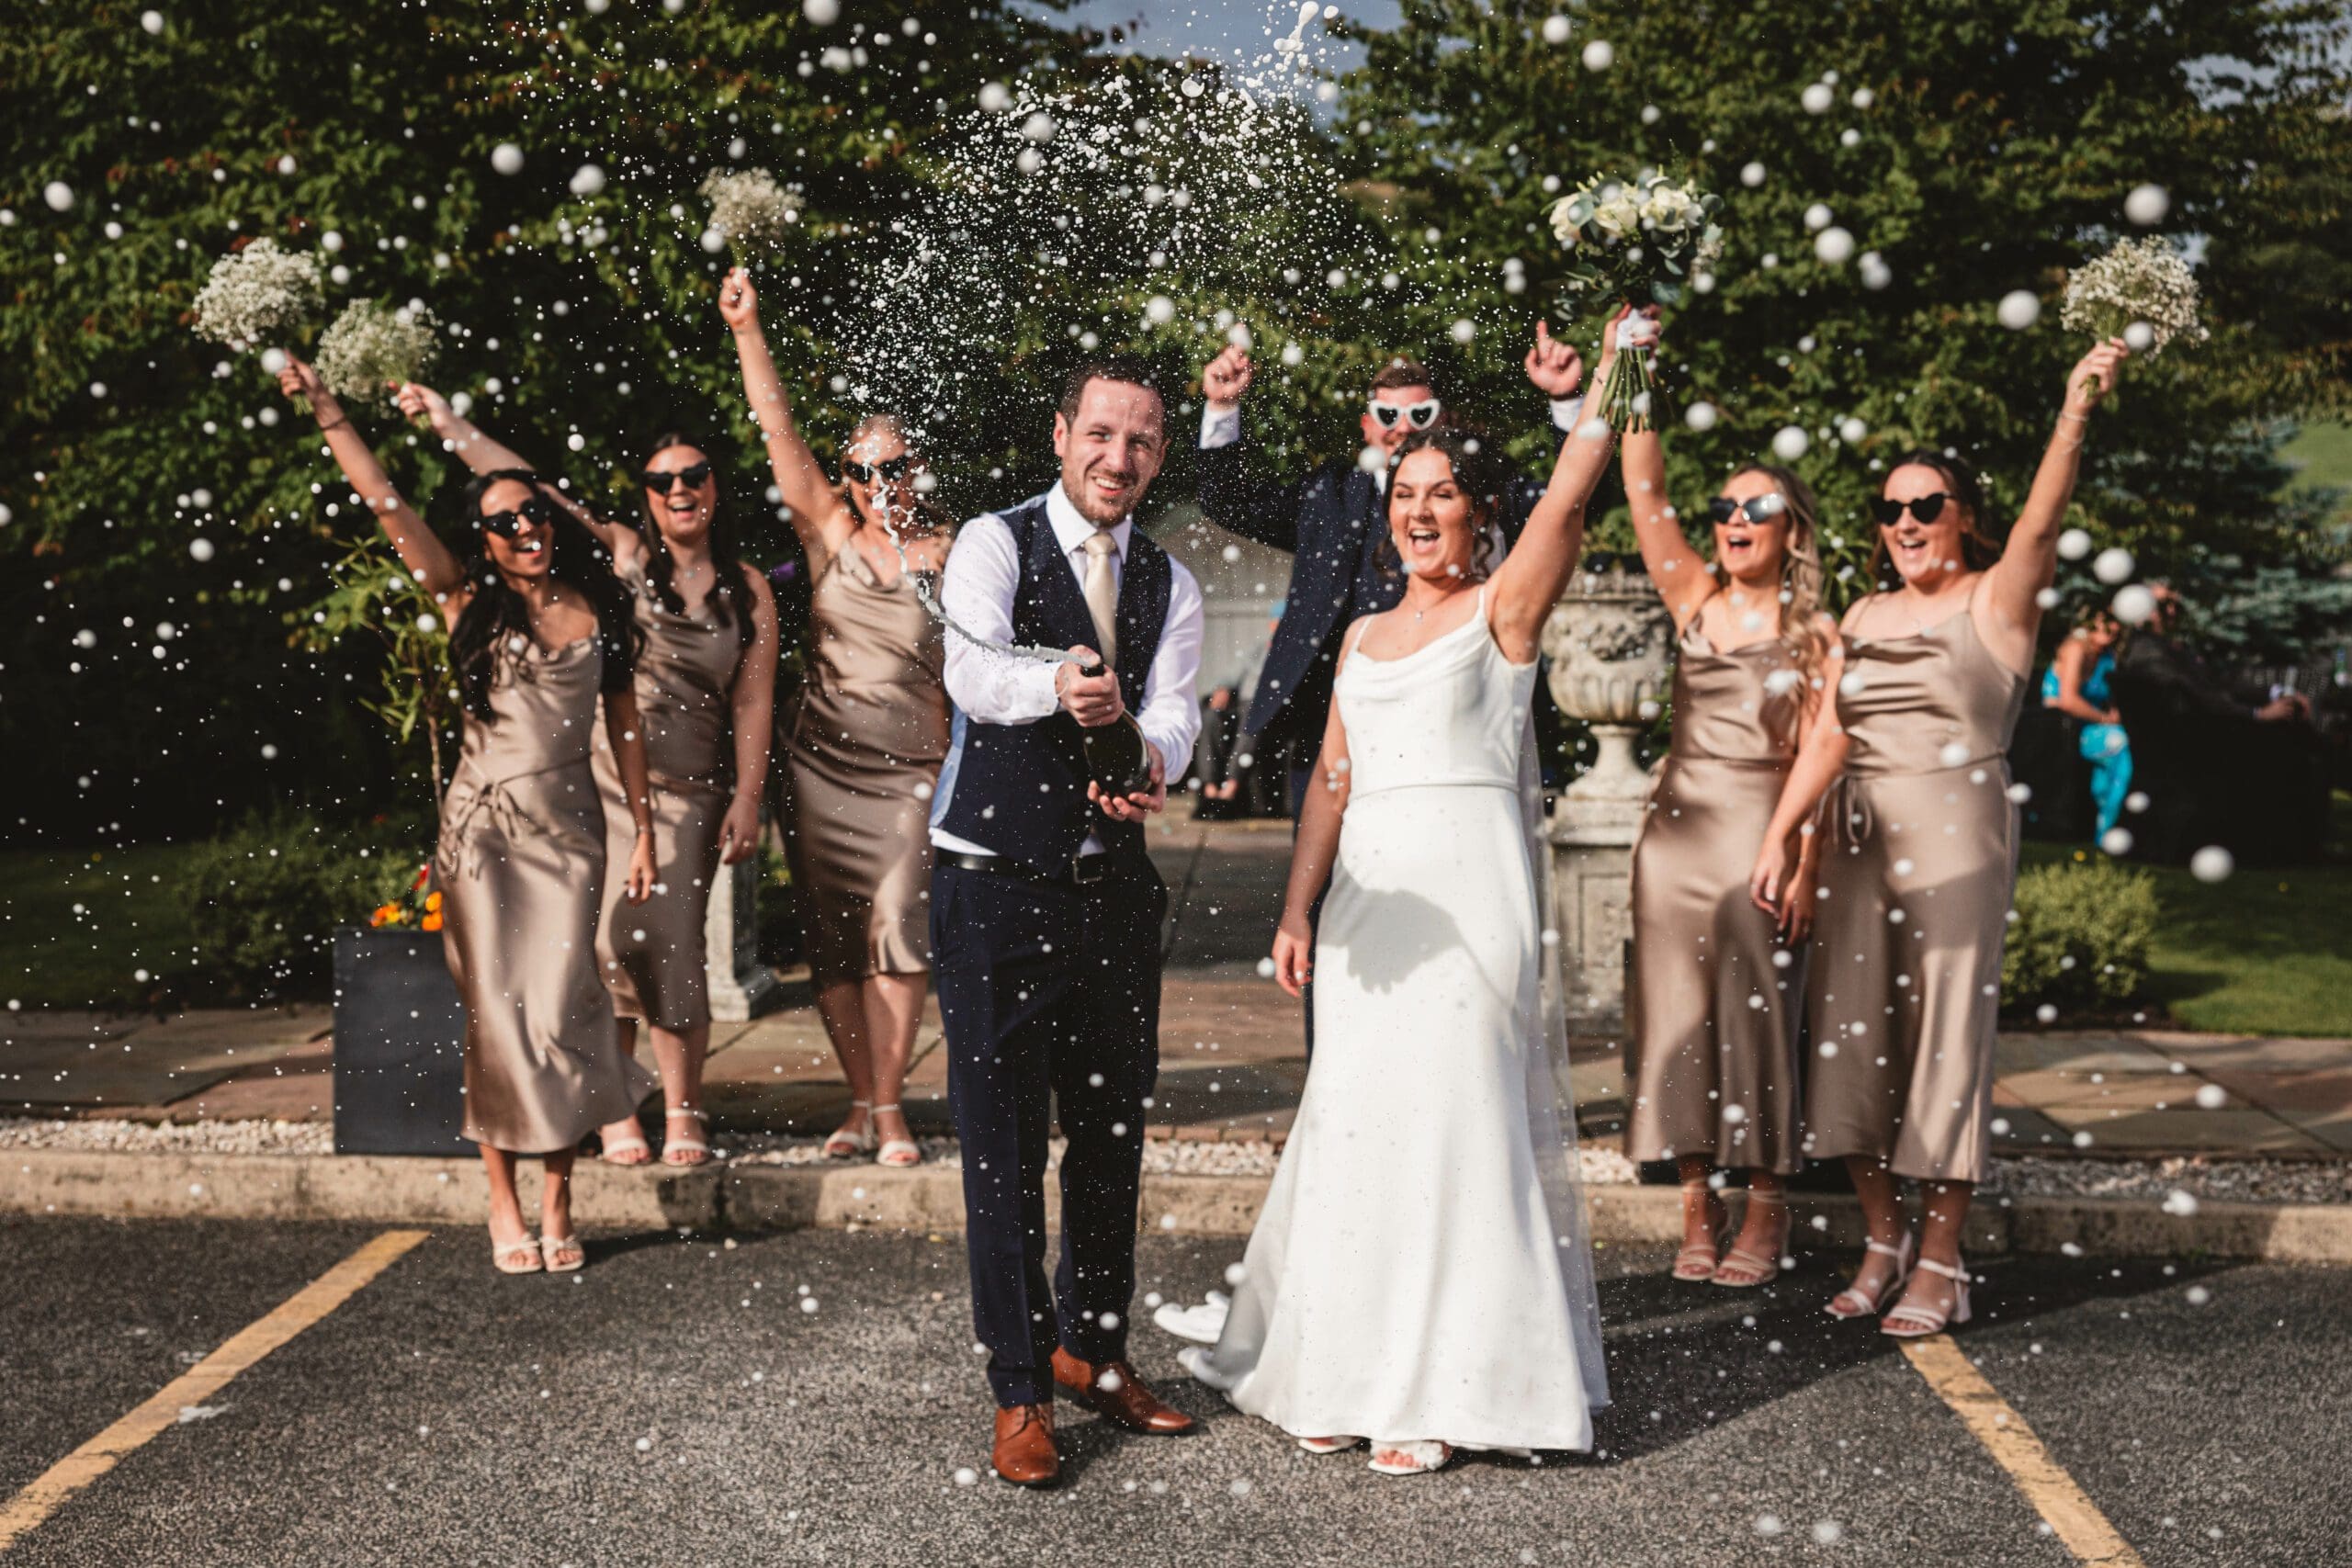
(1420, 1276)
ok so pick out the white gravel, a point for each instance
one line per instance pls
(2239, 1180)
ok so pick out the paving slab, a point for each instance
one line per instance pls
(154, 1065)
(2247, 1131)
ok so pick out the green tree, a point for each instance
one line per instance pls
(1976, 147)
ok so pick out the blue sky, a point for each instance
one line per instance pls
(1235, 29)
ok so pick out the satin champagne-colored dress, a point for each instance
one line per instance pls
(652, 953)
(1918, 865)
(1713, 1011)
(521, 863)
(867, 746)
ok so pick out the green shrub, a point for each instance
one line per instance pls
(2080, 938)
(265, 901)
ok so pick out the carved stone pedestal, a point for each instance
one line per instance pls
(1610, 641)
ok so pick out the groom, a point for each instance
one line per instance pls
(1045, 911)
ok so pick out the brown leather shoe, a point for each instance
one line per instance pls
(1024, 1452)
(1112, 1390)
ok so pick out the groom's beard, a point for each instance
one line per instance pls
(1107, 510)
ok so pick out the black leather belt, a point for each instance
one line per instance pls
(1081, 871)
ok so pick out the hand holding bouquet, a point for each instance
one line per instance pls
(259, 297)
(2141, 291)
(371, 349)
(750, 213)
(1639, 242)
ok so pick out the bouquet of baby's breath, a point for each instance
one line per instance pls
(750, 211)
(2141, 291)
(259, 296)
(370, 348)
(1640, 240)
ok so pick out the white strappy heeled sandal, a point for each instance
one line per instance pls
(897, 1153)
(1931, 1321)
(528, 1248)
(691, 1150)
(1695, 1263)
(846, 1144)
(1851, 1303)
(553, 1247)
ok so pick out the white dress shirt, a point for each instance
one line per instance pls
(976, 591)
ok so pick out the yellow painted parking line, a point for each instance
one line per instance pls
(2068, 1510)
(85, 1464)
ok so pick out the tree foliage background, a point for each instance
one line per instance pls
(1999, 140)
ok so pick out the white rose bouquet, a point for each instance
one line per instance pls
(750, 213)
(2141, 291)
(1640, 240)
(258, 297)
(370, 348)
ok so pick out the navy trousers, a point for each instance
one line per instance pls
(1050, 993)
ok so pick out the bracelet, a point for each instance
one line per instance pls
(2077, 418)
(645, 832)
(335, 422)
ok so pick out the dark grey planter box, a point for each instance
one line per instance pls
(400, 1034)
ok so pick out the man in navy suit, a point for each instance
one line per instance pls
(1332, 521)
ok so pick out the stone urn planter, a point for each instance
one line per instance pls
(1610, 641)
(400, 1035)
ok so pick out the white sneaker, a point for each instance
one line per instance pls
(1202, 1325)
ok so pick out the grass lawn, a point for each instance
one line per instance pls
(76, 925)
(2322, 454)
(2263, 953)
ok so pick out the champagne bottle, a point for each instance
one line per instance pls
(1116, 754)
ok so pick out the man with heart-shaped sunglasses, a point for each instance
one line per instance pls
(1331, 522)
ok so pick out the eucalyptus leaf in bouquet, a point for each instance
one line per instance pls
(372, 347)
(258, 297)
(1645, 241)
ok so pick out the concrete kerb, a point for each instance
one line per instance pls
(773, 1198)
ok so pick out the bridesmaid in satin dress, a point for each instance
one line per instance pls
(1717, 989)
(867, 742)
(705, 689)
(1920, 854)
(541, 631)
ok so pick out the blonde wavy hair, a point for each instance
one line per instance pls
(1800, 634)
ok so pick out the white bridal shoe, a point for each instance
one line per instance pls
(1919, 1322)
(1410, 1459)
(1202, 1325)
(1850, 1302)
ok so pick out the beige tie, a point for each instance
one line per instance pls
(1102, 587)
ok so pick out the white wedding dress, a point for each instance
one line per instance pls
(1421, 1269)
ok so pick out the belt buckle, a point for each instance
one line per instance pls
(1084, 874)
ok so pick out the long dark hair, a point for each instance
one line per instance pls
(1477, 468)
(727, 602)
(497, 614)
(1977, 548)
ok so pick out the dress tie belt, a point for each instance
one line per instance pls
(1847, 805)
(472, 798)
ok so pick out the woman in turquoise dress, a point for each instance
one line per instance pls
(2076, 684)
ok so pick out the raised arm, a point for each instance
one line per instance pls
(1231, 496)
(1531, 577)
(820, 517)
(1312, 853)
(1679, 571)
(430, 561)
(753, 712)
(2030, 561)
(481, 454)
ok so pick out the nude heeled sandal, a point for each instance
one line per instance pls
(1931, 1321)
(526, 1248)
(1695, 1263)
(1870, 1306)
(897, 1153)
(846, 1144)
(690, 1150)
(1755, 1273)
(554, 1247)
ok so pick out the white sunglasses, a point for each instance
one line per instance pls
(1420, 415)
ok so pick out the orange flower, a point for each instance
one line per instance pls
(432, 902)
(431, 922)
(387, 915)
